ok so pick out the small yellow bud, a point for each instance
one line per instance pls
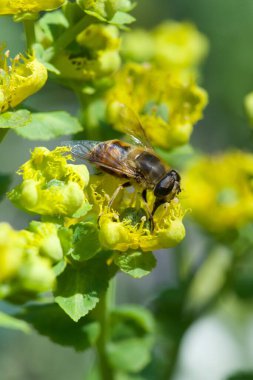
(36, 274)
(173, 235)
(11, 251)
(112, 234)
(29, 194)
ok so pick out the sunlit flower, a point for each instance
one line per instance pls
(167, 106)
(50, 185)
(220, 190)
(127, 225)
(97, 54)
(22, 268)
(22, 78)
(12, 245)
(177, 46)
(9, 7)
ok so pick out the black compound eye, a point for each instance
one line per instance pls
(166, 184)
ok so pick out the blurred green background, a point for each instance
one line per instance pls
(215, 346)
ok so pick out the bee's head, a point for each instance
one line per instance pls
(168, 185)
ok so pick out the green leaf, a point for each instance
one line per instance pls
(15, 119)
(49, 125)
(121, 18)
(44, 56)
(132, 330)
(96, 15)
(5, 180)
(9, 322)
(242, 375)
(50, 320)
(79, 289)
(85, 240)
(135, 263)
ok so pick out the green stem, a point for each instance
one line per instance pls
(70, 34)
(105, 369)
(30, 34)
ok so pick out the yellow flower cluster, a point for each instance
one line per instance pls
(24, 263)
(127, 225)
(220, 190)
(177, 46)
(18, 81)
(10, 7)
(53, 187)
(167, 106)
(98, 55)
(50, 185)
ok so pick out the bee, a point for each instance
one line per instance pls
(137, 163)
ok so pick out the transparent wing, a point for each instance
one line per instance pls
(81, 148)
(130, 124)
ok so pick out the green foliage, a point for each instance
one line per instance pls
(79, 288)
(82, 234)
(49, 125)
(10, 322)
(135, 263)
(16, 119)
(50, 320)
(5, 180)
(85, 241)
(132, 330)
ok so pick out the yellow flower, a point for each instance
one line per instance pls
(21, 79)
(98, 55)
(21, 266)
(50, 185)
(177, 46)
(167, 105)
(10, 7)
(12, 245)
(220, 190)
(127, 225)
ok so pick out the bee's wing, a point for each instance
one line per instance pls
(81, 148)
(130, 124)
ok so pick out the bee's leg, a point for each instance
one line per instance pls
(116, 192)
(114, 195)
(150, 215)
(158, 202)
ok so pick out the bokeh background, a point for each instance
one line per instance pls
(216, 345)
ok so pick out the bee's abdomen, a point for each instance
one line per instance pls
(150, 167)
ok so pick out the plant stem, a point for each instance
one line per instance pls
(102, 312)
(69, 35)
(30, 35)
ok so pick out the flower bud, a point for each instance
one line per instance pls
(36, 274)
(47, 240)
(51, 186)
(11, 251)
(173, 235)
(113, 235)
